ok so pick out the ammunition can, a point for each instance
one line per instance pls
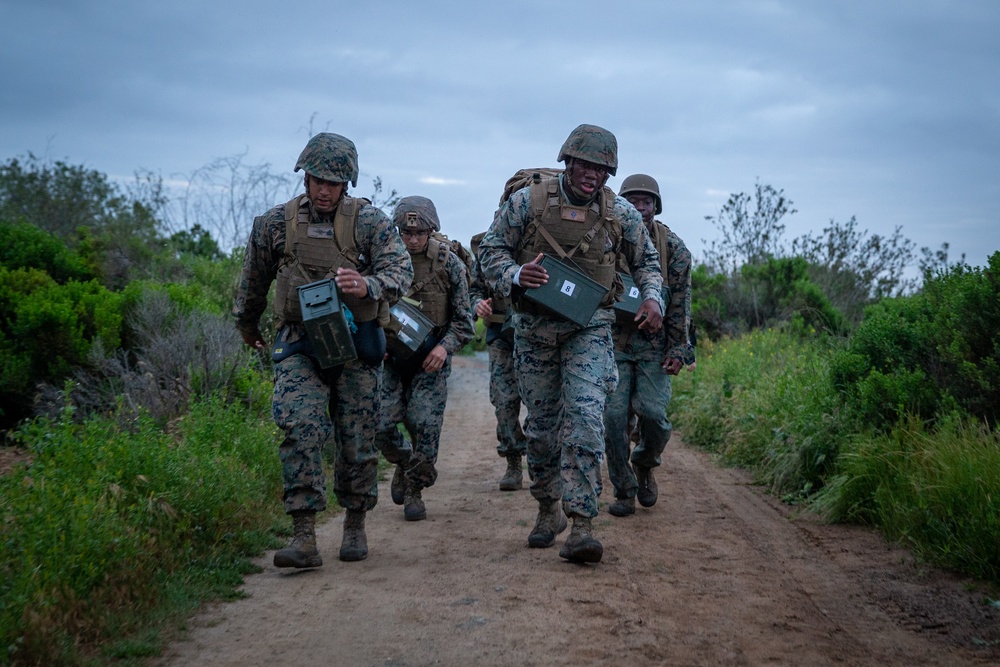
(326, 324)
(630, 300)
(569, 293)
(414, 327)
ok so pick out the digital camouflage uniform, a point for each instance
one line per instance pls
(643, 385)
(303, 402)
(503, 380)
(412, 396)
(565, 372)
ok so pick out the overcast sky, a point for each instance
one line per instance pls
(887, 111)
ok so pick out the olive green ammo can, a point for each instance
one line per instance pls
(326, 324)
(414, 327)
(570, 293)
(631, 299)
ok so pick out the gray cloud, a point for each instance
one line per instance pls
(882, 110)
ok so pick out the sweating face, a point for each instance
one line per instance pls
(585, 178)
(645, 204)
(415, 239)
(324, 195)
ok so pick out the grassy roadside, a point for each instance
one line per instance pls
(115, 532)
(766, 402)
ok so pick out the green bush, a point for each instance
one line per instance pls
(764, 402)
(24, 246)
(929, 353)
(106, 525)
(48, 329)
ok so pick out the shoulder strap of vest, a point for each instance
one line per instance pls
(344, 225)
(292, 208)
(544, 193)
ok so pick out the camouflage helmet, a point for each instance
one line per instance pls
(644, 184)
(416, 213)
(330, 157)
(593, 144)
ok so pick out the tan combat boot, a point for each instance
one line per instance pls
(413, 505)
(622, 507)
(647, 486)
(550, 522)
(355, 544)
(514, 476)
(581, 546)
(397, 488)
(301, 551)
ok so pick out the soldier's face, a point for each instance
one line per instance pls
(585, 178)
(645, 204)
(324, 195)
(415, 239)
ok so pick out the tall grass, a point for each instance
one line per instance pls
(763, 401)
(108, 530)
(936, 491)
(766, 402)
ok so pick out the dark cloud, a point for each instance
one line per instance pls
(886, 111)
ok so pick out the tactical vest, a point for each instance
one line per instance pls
(431, 285)
(588, 237)
(659, 237)
(501, 305)
(314, 251)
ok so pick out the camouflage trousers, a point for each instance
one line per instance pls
(302, 407)
(643, 389)
(505, 399)
(565, 374)
(419, 406)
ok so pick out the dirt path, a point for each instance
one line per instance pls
(716, 573)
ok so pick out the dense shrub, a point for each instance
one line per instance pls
(105, 525)
(47, 330)
(929, 353)
(24, 246)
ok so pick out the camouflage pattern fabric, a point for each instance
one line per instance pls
(643, 386)
(504, 394)
(593, 144)
(330, 157)
(304, 407)
(419, 403)
(565, 372)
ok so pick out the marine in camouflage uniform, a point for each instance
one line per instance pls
(565, 372)
(311, 404)
(496, 312)
(415, 385)
(647, 361)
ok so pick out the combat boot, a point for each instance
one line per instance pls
(581, 546)
(397, 488)
(514, 476)
(301, 551)
(550, 522)
(355, 544)
(413, 505)
(647, 486)
(622, 507)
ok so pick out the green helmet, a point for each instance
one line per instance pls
(593, 144)
(646, 185)
(330, 157)
(416, 213)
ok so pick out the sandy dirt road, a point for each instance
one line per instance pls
(717, 573)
